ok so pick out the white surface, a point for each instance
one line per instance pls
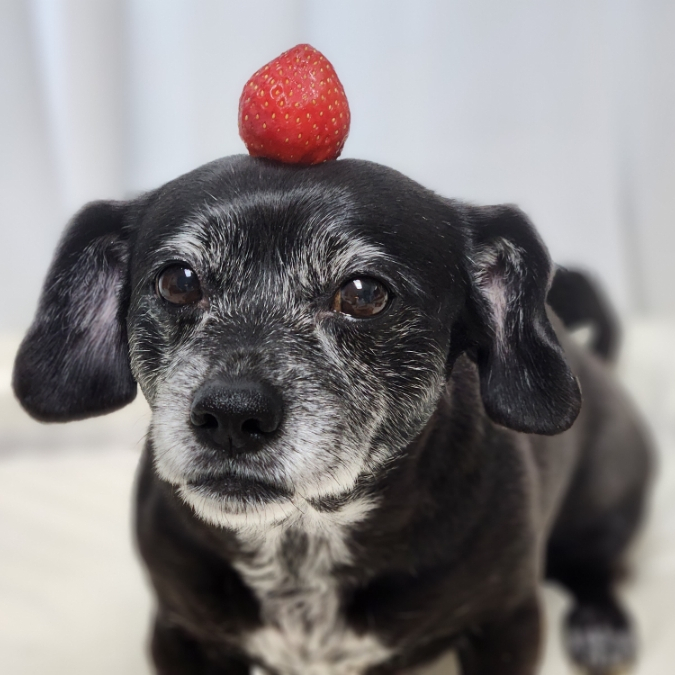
(72, 595)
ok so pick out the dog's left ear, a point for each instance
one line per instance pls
(74, 361)
(526, 383)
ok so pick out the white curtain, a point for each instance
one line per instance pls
(566, 107)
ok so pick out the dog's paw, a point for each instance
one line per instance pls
(600, 640)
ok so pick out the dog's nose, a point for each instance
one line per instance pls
(236, 416)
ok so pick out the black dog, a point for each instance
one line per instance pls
(363, 450)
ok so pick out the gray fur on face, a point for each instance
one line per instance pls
(269, 318)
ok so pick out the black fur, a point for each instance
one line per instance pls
(65, 369)
(485, 486)
(579, 303)
(526, 383)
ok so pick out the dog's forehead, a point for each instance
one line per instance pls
(290, 231)
(245, 222)
(239, 210)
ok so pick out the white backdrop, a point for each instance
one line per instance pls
(566, 107)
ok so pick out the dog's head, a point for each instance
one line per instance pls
(291, 328)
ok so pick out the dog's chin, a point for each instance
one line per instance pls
(239, 489)
(234, 501)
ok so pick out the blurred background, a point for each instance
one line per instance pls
(565, 107)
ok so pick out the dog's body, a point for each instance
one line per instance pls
(395, 483)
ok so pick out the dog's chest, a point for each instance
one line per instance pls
(304, 631)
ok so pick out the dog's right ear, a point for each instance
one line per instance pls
(74, 361)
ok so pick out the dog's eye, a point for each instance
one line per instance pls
(179, 285)
(361, 298)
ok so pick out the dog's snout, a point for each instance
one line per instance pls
(236, 416)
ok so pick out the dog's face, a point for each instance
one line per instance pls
(285, 341)
(291, 328)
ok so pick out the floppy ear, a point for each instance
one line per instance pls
(526, 383)
(74, 361)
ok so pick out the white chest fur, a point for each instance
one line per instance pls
(291, 572)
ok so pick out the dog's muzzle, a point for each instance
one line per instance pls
(236, 416)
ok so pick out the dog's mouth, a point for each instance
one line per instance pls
(228, 487)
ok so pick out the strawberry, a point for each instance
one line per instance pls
(294, 109)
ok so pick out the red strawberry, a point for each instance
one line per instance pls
(294, 109)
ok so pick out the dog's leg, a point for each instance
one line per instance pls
(587, 560)
(510, 646)
(598, 633)
(175, 653)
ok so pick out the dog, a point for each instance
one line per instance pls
(368, 445)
